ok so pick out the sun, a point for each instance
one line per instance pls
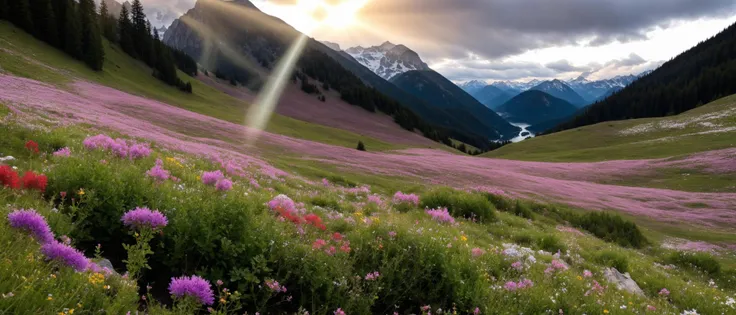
(309, 15)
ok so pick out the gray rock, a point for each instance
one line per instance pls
(622, 281)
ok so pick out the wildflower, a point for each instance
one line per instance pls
(275, 286)
(96, 278)
(476, 311)
(339, 311)
(219, 283)
(392, 234)
(375, 199)
(664, 292)
(587, 274)
(318, 244)
(315, 220)
(400, 197)
(690, 312)
(80, 192)
(518, 266)
(224, 184)
(8, 295)
(596, 288)
(50, 297)
(32, 180)
(337, 236)
(138, 151)
(605, 311)
(140, 217)
(345, 248)
(556, 265)
(63, 152)
(372, 276)
(211, 178)
(477, 252)
(441, 215)
(65, 254)
(651, 308)
(194, 286)
(158, 172)
(331, 251)
(325, 182)
(32, 222)
(463, 238)
(8, 177)
(32, 146)
(286, 207)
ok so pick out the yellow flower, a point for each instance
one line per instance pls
(605, 311)
(463, 238)
(580, 278)
(79, 305)
(359, 214)
(222, 301)
(49, 298)
(71, 311)
(96, 278)
(107, 287)
(80, 192)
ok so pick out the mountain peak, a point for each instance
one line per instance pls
(388, 59)
(333, 46)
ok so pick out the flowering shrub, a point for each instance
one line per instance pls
(275, 286)
(139, 218)
(65, 255)
(441, 215)
(32, 222)
(63, 152)
(32, 147)
(224, 184)
(119, 147)
(402, 198)
(521, 285)
(194, 287)
(158, 173)
(460, 204)
(211, 178)
(35, 181)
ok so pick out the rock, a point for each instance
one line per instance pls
(622, 281)
(7, 158)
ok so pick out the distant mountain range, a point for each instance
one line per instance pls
(387, 59)
(561, 90)
(536, 107)
(492, 96)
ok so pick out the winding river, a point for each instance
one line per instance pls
(523, 134)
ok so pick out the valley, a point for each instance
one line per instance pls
(377, 184)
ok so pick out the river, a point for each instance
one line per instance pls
(523, 134)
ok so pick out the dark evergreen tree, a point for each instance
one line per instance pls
(43, 21)
(3, 9)
(125, 33)
(72, 30)
(59, 7)
(19, 13)
(361, 146)
(107, 23)
(140, 33)
(93, 51)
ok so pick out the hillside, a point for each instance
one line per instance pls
(435, 89)
(698, 76)
(561, 90)
(492, 96)
(535, 107)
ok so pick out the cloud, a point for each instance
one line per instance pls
(565, 66)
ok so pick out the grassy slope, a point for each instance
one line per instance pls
(126, 74)
(605, 142)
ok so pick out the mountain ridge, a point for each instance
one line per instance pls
(388, 59)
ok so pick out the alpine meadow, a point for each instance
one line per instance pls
(346, 157)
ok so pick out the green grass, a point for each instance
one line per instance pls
(25, 56)
(604, 141)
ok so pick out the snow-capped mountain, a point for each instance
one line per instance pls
(333, 46)
(387, 60)
(593, 90)
(561, 90)
(516, 86)
(472, 86)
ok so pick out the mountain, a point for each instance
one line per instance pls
(609, 93)
(516, 87)
(472, 86)
(113, 7)
(435, 89)
(333, 46)
(594, 90)
(387, 60)
(492, 96)
(535, 107)
(561, 90)
(698, 76)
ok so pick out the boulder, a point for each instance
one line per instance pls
(622, 281)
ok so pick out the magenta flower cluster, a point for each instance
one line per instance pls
(63, 152)
(275, 286)
(158, 172)
(664, 292)
(144, 217)
(34, 223)
(371, 276)
(555, 266)
(66, 255)
(194, 286)
(441, 215)
(118, 146)
(477, 252)
(400, 197)
(217, 179)
(224, 184)
(522, 284)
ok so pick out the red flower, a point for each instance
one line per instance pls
(315, 220)
(32, 146)
(337, 236)
(8, 177)
(345, 248)
(34, 181)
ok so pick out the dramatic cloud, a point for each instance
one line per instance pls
(565, 66)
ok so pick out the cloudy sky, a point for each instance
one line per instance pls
(512, 39)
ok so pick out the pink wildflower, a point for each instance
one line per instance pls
(587, 274)
(275, 286)
(518, 266)
(477, 252)
(372, 276)
(224, 184)
(211, 178)
(318, 244)
(664, 292)
(339, 311)
(441, 215)
(476, 311)
(63, 152)
(400, 197)
(158, 172)
(331, 251)
(651, 308)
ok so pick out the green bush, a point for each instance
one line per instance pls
(460, 204)
(700, 261)
(551, 243)
(611, 228)
(613, 259)
(522, 210)
(524, 239)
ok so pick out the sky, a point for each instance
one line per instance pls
(510, 39)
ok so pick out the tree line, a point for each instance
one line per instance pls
(77, 28)
(698, 76)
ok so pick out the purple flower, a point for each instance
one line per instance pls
(339, 311)
(372, 276)
(325, 182)
(275, 286)
(522, 284)
(400, 197)
(224, 184)
(441, 215)
(138, 151)
(63, 152)
(510, 286)
(158, 172)
(194, 286)
(140, 217)
(65, 254)
(587, 273)
(32, 222)
(517, 266)
(97, 142)
(664, 292)
(211, 178)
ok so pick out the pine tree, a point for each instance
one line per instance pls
(361, 146)
(107, 22)
(141, 36)
(93, 53)
(43, 21)
(3, 9)
(72, 31)
(125, 33)
(19, 13)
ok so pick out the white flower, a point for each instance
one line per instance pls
(730, 302)
(690, 312)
